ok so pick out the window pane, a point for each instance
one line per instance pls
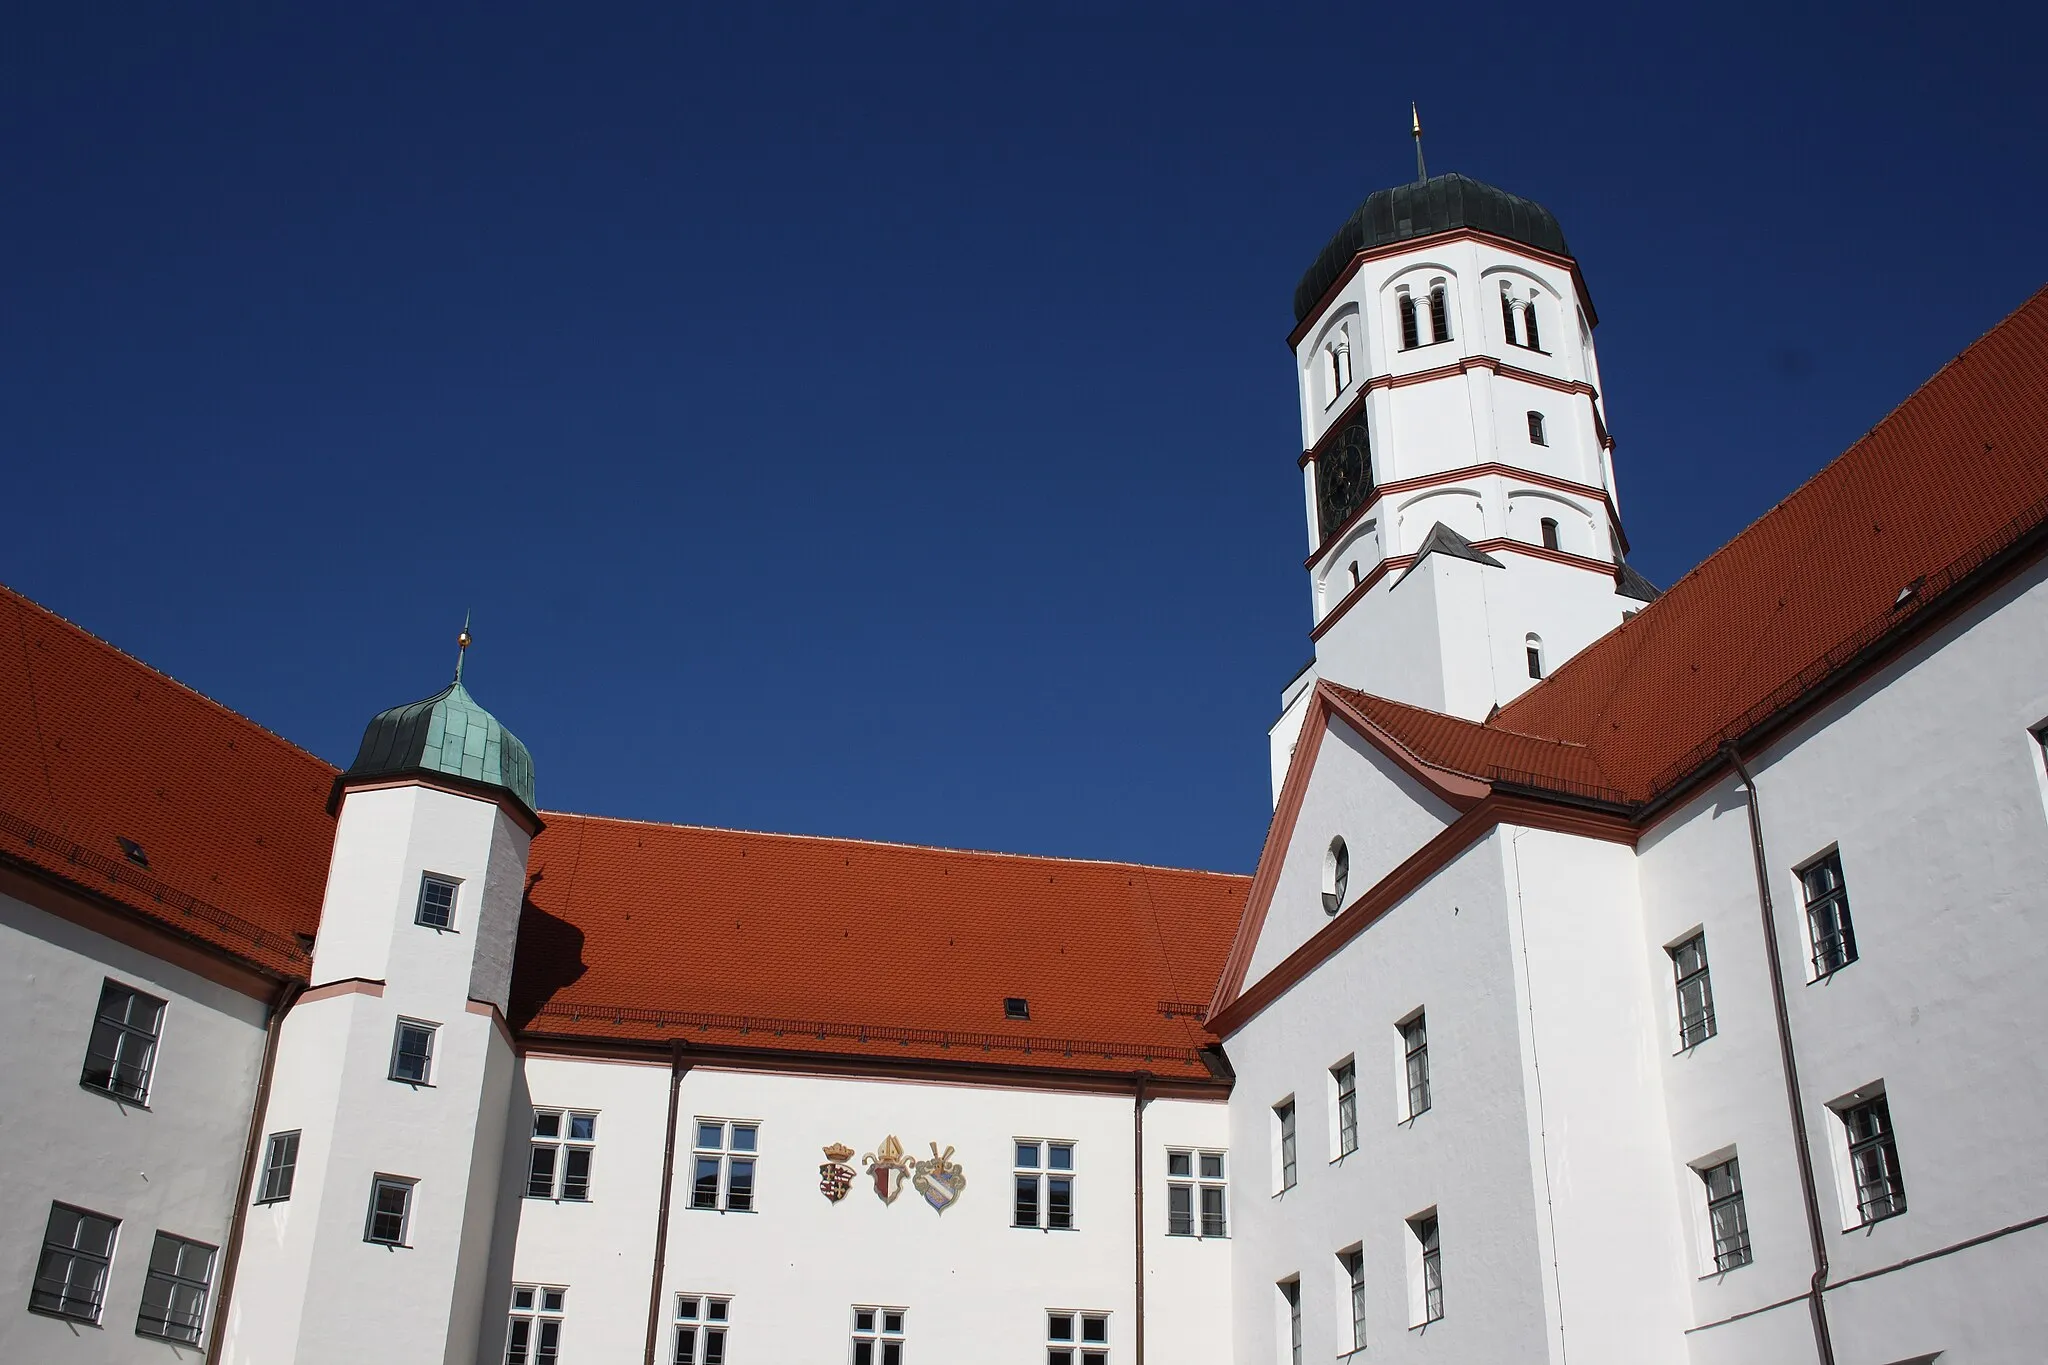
(686, 1308)
(1055, 1355)
(714, 1346)
(892, 1353)
(1027, 1202)
(1212, 1211)
(704, 1189)
(547, 1124)
(576, 1179)
(711, 1136)
(582, 1127)
(1180, 1210)
(1059, 1327)
(1212, 1165)
(522, 1298)
(1094, 1329)
(714, 1309)
(864, 1320)
(686, 1346)
(744, 1137)
(864, 1353)
(519, 1341)
(739, 1193)
(540, 1178)
(1179, 1163)
(1059, 1203)
(1059, 1156)
(892, 1322)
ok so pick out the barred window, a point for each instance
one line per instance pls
(1727, 1220)
(1827, 915)
(1695, 991)
(1415, 1064)
(534, 1334)
(1874, 1160)
(1344, 1089)
(71, 1277)
(122, 1050)
(174, 1294)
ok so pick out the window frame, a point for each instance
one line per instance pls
(454, 886)
(562, 1146)
(41, 1300)
(1351, 1297)
(1735, 1250)
(1075, 1347)
(379, 1183)
(878, 1336)
(175, 1280)
(1426, 1269)
(425, 1080)
(537, 1316)
(1336, 883)
(729, 1157)
(1860, 1208)
(1196, 1183)
(1821, 966)
(708, 1323)
(1286, 1145)
(1344, 1108)
(1697, 1026)
(1290, 1297)
(1042, 1178)
(1538, 433)
(1416, 1089)
(267, 1192)
(122, 1029)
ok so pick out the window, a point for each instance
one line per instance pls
(390, 1210)
(1415, 1065)
(1290, 1299)
(1337, 356)
(534, 1336)
(724, 1177)
(1548, 528)
(71, 1277)
(1429, 1281)
(1529, 324)
(1827, 915)
(1045, 1185)
(560, 1163)
(878, 1336)
(1727, 1222)
(1016, 1007)
(1874, 1159)
(1351, 1284)
(437, 901)
(1195, 1180)
(1511, 308)
(1064, 1347)
(280, 1165)
(412, 1052)
(1283, 1143)
(123, 1046)
(1536, 436)
(174, 1294)
(701, 1324)
(1507, 313)
(1344, 1090)
(1695, 991)
(1336, 876)
(1439, 314)
(1411, 331)
(1532, 650)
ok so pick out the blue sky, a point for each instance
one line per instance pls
(879, 423)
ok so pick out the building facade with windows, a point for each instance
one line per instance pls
(1626, 977)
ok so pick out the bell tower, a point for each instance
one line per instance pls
(1464, 533)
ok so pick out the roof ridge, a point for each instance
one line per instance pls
(1487, 725)
(554, 815)
(156, 672)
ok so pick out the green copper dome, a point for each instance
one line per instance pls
(447, 734)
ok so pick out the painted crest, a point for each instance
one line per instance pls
(940, 1180)
(887, 1168)
(835, 1177)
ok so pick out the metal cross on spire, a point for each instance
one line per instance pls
(461, 646)
(1415, 123)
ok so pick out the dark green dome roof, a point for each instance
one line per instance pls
(446, 734)
(1420, 209)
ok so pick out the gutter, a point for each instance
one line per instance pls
(287, 995)
(1138, 1104)
(676, 1068)
(1823, 1341)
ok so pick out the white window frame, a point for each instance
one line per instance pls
(563, 1146)
(729, 1157)
(1286, 1132)
(1043, 1175)
(1405, 1085)
(1710, 1026)
(537, 1307)
(398, 1032)
(1425, 1269)
(1337, 858)
(1845, 915)
(379, 1183)
(1350, 1298)
(419, 912)
(1076, 1346)
(111, 1064)
(1196, 1183)
(1287, 1335)
(1848, 1182)
(73, 1254)
(878, 1336)
(1706, 1240)
(703, 1329)
(1343, 1096)
(180, 1290)
(280, 1167)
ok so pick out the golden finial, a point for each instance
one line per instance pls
(1415, 125)
(461, 646)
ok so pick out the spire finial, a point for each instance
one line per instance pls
(1415, 125)
(461, 645)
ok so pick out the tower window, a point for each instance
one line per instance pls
(1411, 328)
(1439, 314)
(1507, 313)
(1511, 309)
(1354, 573)
(1536, 436)
(1532, 647)
(437, 901)
(412, 1052)
(1529, 324)
(1549, 525)
(1338, 356)
(1336, 876)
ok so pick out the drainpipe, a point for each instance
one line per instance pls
(1138, 1185)
(287, 996)
(1823, 1342)
(676, 1067)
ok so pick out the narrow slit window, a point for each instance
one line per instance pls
(1411, 327)
(1727, 1219)
(1874, 1160)
(1430, 1252)
(1351, 1273)
(1439, 314)
(1548, 528)
(1532, 650)
(1536, 436)
(1415, 1063)
(1290, 1298)
(1507, 315)
(1344, 1084)
(1827, 915)
(1283, 1126)
(1695, 992)
(1529, 324)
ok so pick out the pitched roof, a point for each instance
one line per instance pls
(652, 932)
(1953, 479)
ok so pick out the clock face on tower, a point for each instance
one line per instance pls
(1343, 476)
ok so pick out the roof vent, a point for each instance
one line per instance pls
(1909, 592)
(1016, 1007)
(132, 851)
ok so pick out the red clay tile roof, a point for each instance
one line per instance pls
(1955, 477)
(655, 932)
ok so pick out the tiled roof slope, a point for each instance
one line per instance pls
(736, 939)
(1956, 475)
(96, 747)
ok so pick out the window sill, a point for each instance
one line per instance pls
(71, 1318)
(1722, 1274)
(280, 1199)
(190, 1344)
(694, 1208)
(1424, 346)
(388, 1246)
(116, 1096)
(411, 1084)
(437, 928)
(1869, 1223)
(1532, 350)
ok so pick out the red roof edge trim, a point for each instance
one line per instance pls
(1459, 790)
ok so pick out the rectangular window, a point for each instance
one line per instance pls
(1827, 915)
(437, 901)
(1874, 1160)
(1194, 1194)
(702, 1321)
(1344, 1086)
(724, 1155)
(280, 1165)
(174, 1294)
(1283, 1139)
(878, 1336)
(122, 1051)
(559, 1162)
(1044, 1182)
(1290, 1300)
(412, 1052)
(1727, 1222)
(1351, 1288)
(390, 1210)
(1076, 1338)
(1429, 1282)
(1695, 991)
(534, 1335)
(1415, 1064)
(71, 1277)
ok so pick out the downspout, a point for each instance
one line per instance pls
(1138, 1187)
(1823, 1341)
(676, 1067)
(287, 995)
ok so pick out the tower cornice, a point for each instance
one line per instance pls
(1314, 316)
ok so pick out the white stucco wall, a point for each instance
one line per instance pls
(171, 1164)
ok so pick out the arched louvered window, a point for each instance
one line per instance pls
(1439, 314)
(1336, 876)
(1536, 437)
(1411, 332)
(1529, 324)
(1507, 315)
(1533, 647)
(1340, 367)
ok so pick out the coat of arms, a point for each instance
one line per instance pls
(835, 1177)
(887, 1168)
(940, 1180)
